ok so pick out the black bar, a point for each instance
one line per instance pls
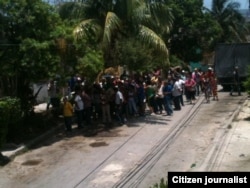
(208, 179)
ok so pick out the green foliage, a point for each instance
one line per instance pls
(28, 50)
(226, 14)
(10, 114)
(175, 61)
(90, 65)
(116, 20)
(134, 55)
(162, 184)
(16, 128)
(188, 30)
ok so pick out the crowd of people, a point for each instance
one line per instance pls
(114, 100)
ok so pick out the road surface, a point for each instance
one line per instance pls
(136, 155)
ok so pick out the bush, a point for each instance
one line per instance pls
(162, 184)
(10, 114)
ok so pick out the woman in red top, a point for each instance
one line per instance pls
(213, 83)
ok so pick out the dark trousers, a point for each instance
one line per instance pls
(68, 123)
(79, 116)
(177, 102)
(181, 100)
(235, 87)
(159, 104)
(87, 115)
(119, 112)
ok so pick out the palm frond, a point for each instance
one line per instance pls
(141, 14)
(149, 37)
(112, 23)
(162, 15)
(88, 28)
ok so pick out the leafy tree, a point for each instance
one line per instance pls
(90, 65)
(134, 55)
(28, 51)
(232, 23)
(108, 21)
(190, 35)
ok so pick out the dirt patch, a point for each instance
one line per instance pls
(113, 133)
(98, 144)
(32, 162)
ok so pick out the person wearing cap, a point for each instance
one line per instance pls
(236, 81)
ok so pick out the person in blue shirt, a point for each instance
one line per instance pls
(167, 92)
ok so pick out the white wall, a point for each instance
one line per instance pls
(43, 94)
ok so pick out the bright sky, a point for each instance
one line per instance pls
(243, 3)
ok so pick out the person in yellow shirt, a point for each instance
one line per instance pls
(67, 113)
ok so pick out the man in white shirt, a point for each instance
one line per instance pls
(177, 93)
(79, 106)
(119, 105)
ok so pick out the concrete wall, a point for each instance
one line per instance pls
(43, 94)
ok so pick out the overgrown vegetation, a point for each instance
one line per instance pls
(162, 184)
(16, 128)
(10, 115)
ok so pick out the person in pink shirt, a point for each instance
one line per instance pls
(190, 87)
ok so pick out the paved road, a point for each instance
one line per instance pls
(137, 155)
(203, 144)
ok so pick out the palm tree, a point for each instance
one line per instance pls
(106, 21)
(226, 13)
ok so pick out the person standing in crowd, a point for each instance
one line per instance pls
(159, 96)
(167, 92)
(206, 81)
(236, 82)
(105, 106)
(132, 107)
(96, 101)
(79, 106)
(141, 96)
(181, 84)
(119, 111)
(177, 93)
(67, 113)
(87, 111)
(52, 93)
(150, 95)
(214, 85)
(196, 75)
(190, 88)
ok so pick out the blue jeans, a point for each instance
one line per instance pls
(168, 105)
